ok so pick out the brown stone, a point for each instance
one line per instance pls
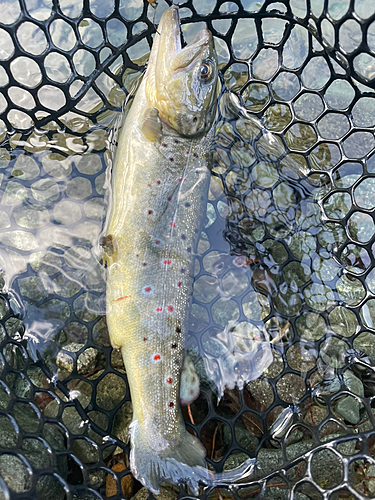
(128, 485)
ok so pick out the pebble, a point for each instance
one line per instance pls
(349, 407)
(86, 362)
(14, 473)
(167, 492)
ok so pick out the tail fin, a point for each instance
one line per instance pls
(180, 461)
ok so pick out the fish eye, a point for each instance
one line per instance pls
(205, 71)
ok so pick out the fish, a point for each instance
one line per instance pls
(157, 209)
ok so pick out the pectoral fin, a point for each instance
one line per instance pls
(151, 126)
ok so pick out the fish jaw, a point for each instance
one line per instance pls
(182, 83)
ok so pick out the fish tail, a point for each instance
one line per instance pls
(180, 461)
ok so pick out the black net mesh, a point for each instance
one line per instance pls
(287, 251)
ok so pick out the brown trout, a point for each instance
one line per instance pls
(158, 202)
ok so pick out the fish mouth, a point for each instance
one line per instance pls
(170, 28)
(171, 37)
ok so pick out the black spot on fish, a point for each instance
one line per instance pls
(189, 249)
(178, 329)
(183, 237)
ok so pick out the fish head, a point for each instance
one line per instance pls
(182, 82)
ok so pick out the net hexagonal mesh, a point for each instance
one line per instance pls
(287, 251)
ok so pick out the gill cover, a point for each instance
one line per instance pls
(181, 83)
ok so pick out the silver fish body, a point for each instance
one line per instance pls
(157, 208)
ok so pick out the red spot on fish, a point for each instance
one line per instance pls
(144, 264)
(157, 357)
(147, 289)
(171, 404)
(159, 309)
(187, 152)
(150, 212)
(171, 159)
(144, 339)
(169, 198)
(172, 224)
(181, 180)
(170, 309)
(149, 185)
(169, 380)
(157, 242)
(167, 262)
(121, 298)
(157, 182)
(179, 284)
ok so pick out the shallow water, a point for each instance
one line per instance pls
(285, 258)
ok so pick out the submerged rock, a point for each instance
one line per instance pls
(167, 492)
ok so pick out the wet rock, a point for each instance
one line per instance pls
(14, 473)
(36, 453)
(85, 451)
(86, 362)
(128, 484)
(235, 460)
(271, 459)
(326, 469)
(244, 438)
(49, 488)
(116, 359)
(370, 472)
(85, 495)
(283, 494)
(348, 407)
(122, 421)
(262, 393)
(167, 492)
(110, 391)
(96, 478)
(8, 433)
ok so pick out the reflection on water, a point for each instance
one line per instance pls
(284, 263)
